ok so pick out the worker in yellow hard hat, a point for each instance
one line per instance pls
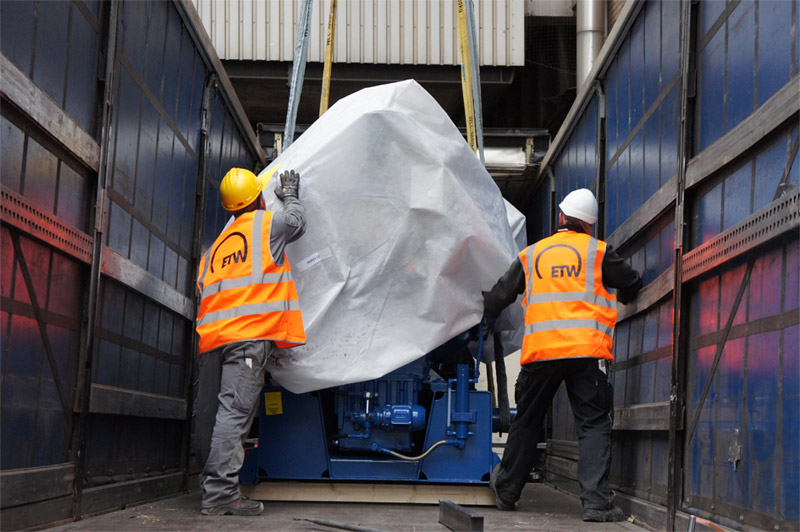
(570, 311)
(248, 305)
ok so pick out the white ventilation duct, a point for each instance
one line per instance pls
(590, 26)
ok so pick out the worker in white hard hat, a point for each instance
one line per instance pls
(570, 311)
(248, 305)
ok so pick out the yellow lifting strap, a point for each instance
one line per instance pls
(326, 73)
(466, 75)
(470, 75)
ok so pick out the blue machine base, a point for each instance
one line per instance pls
(292, 445)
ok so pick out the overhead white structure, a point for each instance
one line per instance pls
(422, 32)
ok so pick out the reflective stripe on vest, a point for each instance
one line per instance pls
(249, 303)
(248, 310)
(566, 316)
(542, 326)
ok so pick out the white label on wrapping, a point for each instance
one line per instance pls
(313, 260)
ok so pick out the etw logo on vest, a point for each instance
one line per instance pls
(560, 270)
(238, 255)
(565, 270)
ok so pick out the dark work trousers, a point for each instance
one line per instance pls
(591, 398)
(229, 381)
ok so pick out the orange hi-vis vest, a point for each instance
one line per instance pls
(568, 311)
(244, 295)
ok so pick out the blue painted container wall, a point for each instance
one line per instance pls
(155, 146)
(748, 51)
(642, 87)
(33, 428)
(577, 166)
(743, 461)
(228, 150)
(753, 402)
(539, 214)
(153, 192)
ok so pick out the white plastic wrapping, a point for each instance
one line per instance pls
(405, 228)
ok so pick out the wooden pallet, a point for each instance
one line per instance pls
(468, 495)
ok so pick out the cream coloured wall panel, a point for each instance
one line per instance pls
(421, 32)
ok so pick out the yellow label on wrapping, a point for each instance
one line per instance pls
(273, 404)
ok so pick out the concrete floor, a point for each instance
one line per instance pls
(542, 508)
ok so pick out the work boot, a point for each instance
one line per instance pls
(241, 506)
(611, 515)
(499, 503)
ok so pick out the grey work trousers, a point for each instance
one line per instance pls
(229, 381)
(592, 400)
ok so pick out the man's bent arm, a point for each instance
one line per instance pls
(506, 289)
(287, 227)
(618, 274)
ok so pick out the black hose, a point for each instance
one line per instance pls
(502, 385)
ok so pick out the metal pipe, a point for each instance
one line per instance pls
(503, 404)
(84, 381)
(298, 70)
(449, 401)
(462, 403)
(590, 23)
(600, 158)
(212, 84)
(676, 439)
(479, 354)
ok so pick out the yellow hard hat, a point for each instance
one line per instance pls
(239, 188)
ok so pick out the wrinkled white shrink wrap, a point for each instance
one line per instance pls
(405, 228)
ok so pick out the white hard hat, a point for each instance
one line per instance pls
(580, 204)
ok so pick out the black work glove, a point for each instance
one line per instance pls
(290, 185)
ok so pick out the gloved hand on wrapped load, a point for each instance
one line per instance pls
(289, 187)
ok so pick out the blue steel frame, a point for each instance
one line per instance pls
(297, 439)
(294, 445)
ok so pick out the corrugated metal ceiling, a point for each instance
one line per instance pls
(420, 32)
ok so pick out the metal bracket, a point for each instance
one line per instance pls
(458, 518)
(735, 450)
(100, 211)
(33, 221)
(776, 219)
(529, 149)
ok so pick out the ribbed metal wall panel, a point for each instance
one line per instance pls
(576, 168)
(700, 181)
(115, 118)
(419, 32)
